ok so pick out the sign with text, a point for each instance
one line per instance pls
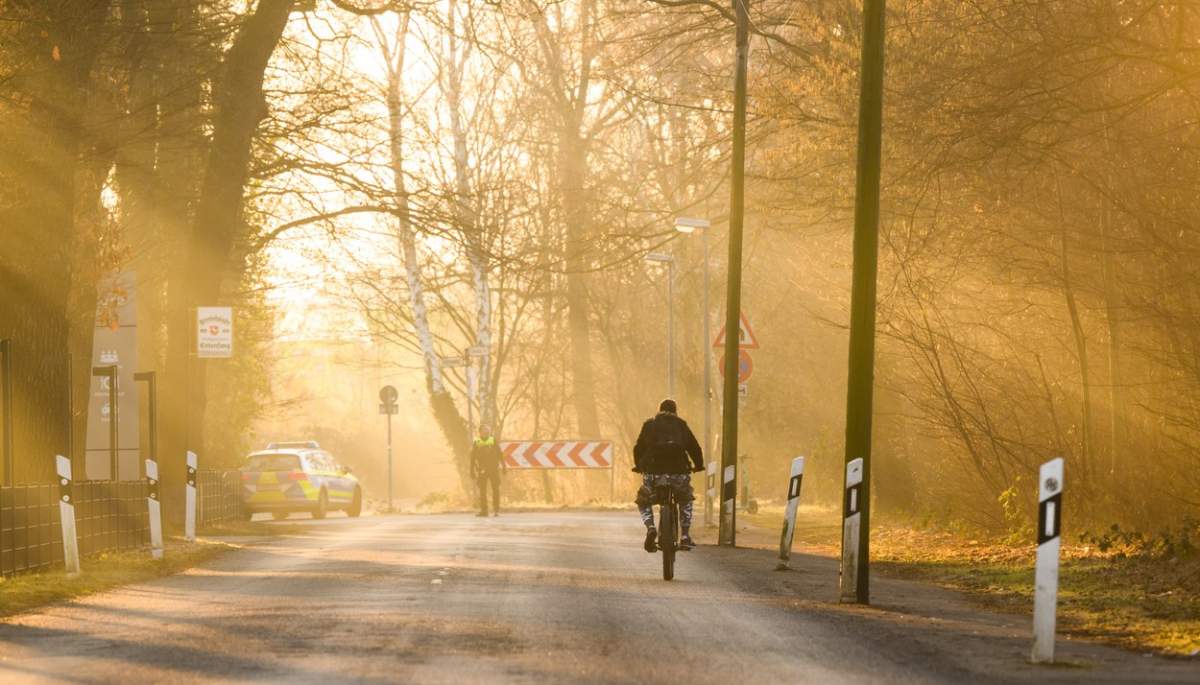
(114, 343)
(214, 332)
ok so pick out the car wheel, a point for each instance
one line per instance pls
(279, 515)
(355, 508)
(322, 506)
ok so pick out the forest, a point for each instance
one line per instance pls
(493, 173)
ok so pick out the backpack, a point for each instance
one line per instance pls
(669, 448)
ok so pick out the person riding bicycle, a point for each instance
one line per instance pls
(661, 456)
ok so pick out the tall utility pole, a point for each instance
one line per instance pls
(733, 298)
(860, 382)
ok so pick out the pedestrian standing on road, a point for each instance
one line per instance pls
(487, 465)
(661, 455)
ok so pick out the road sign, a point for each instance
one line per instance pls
(745, 366)
(388, 394)
(214, 332)
(557, 454)
(743, 390)
(746, 338)
(453, 362)
(477, 351)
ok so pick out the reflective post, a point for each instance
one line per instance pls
(1045, 598)
(154, 507)
(189, 520)
(795, 479)
(66, 514)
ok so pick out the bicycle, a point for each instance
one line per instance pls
(668, 528)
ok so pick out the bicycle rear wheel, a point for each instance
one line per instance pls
(667, 538)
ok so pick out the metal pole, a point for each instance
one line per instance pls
(70, 408)
(671, 328)
(389, 422)
(6, 365)
(110, 372)
(151, 380)
(733, 297)
(859, 392)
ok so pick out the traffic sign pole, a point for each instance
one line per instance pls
(388, 395)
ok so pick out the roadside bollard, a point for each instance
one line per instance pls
(189, 515)
(1045, 597)
(851, 530)
(728, 492)
(789, 514)
(154, 508)
(710, 492)
(66, 513)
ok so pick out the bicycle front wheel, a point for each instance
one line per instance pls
(666, 540)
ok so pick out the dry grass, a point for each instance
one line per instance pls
(101, 572)
(1137, 600)
(29, 591)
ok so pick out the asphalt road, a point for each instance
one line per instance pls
(526, 598)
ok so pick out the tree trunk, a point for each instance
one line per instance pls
(239, 107)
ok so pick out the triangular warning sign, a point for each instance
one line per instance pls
(746, 338)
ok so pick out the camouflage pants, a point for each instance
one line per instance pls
(680, 483)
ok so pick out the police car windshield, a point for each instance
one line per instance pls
(273, 462)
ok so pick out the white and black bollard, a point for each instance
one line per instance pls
(851, 530)
(789, 514)
(728, 493)
(66, 513)
(710, 491)
(189, 500)
(1045, 595)
(154, 508)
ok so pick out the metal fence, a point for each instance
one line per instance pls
(109, 516)
(219, 495)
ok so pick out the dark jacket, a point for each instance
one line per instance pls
(665, 445)
(485, 456)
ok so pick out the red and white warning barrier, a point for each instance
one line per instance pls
(558, 454)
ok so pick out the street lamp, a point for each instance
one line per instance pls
(663, 257)
(688, 226)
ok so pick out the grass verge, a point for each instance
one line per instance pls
(28, 591)
(1139, 601)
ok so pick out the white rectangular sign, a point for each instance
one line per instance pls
(214, 332)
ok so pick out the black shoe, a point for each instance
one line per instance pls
(685, 543)
(651, 538)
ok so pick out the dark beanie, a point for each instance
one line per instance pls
(668, 406)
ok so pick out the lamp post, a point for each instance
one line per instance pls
(670, 262)
(688, 226)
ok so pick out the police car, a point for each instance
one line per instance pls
(297, 476)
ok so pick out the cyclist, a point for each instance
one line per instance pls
(661, 456)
